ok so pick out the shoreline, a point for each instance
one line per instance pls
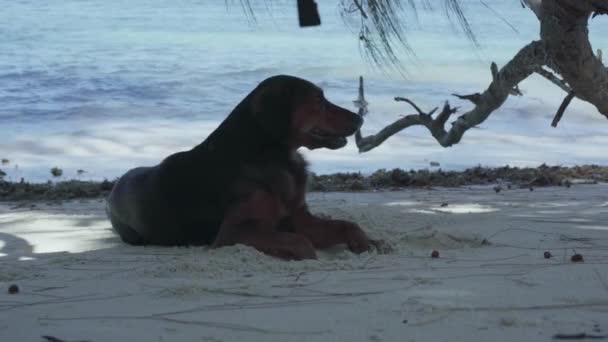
(381, 180)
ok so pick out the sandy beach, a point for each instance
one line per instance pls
(491, 282)
(503, 236)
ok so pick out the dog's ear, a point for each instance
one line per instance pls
(272, 105)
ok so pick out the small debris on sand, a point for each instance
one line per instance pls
(581, 336)
(13, 289)
(55, 339)
(577, 258)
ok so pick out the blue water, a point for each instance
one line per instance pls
(104, 86)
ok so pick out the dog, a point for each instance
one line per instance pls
(246, 183)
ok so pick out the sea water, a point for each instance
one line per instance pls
(103, 86)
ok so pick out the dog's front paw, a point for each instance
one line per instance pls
(358, 242)
(381, 246)
(355, 238)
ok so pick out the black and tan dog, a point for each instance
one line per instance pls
(245, 183)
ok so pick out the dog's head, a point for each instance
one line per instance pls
(296, 111)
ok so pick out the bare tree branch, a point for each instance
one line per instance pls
(360, 101)
(435, 126)
(562, 108)
(402, 99)
(535, 6)
(362, 105)
(565, 34)
(475, 98)
(525, 62)
(554, 79)
(564, 48)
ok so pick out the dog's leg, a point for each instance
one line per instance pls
(288, 246)
(324, 233)
(253, 222)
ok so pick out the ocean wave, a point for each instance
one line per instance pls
(105, 86)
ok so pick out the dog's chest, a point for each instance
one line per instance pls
(285, 181)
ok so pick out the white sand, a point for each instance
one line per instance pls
(78, 282)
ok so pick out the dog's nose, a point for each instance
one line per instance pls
(346, 116)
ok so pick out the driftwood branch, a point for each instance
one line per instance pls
(564, 50)
(516, 92)
(565, 34)
(535, 6)
(527, 60)
(402, 99)
(562, 108)
(360, 101)
(435, 126)
(553, 79)
(475, 98)
(362, 105)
